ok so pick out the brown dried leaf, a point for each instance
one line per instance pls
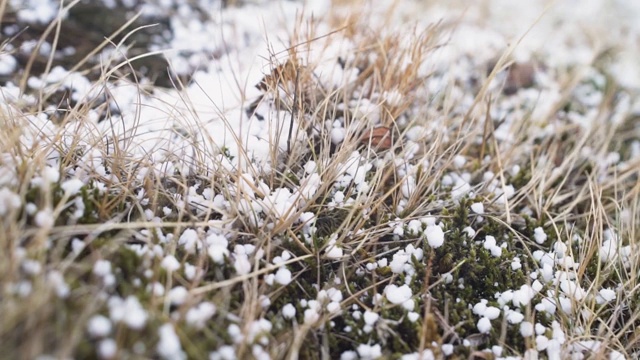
(281, 73)
(379, 137)
(521, 75)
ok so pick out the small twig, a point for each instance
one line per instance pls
(427, 305)
(485, 134)
(294, 110)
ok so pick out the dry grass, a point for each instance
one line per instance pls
(562, 186)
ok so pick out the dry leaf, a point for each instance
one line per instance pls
(379, 137)
(521, 75)
(281, 73)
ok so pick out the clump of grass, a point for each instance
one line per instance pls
(200, 240)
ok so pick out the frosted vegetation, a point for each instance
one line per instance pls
(321, 180)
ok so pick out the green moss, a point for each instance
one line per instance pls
(384, 271)
(329, 221)
(225, 151)
(522, 178)
(477, 275)
(127, 268)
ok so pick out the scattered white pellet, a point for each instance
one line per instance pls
(9, 201)
(44, 219)
(398, 294)
(288, 311)
(484, 325)
(283, 276)
(526, 329)
(514, 317)
(99, 326)
(71, 187)
(369, 351)
(198, 316)
(242, 264)
(102, 268)
(435, 236)
(539, 235)
(605, 295)
(492, 312)
(169, 346)
(477, 208)
(178, 295)
(370, 317)
(107, 348)
(170, 263)
(480, 307)
(413, 316)
(447, 349)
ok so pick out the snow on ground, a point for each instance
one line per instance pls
(172, 130)
(209, 114)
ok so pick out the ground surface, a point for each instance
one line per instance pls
(329, 179)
